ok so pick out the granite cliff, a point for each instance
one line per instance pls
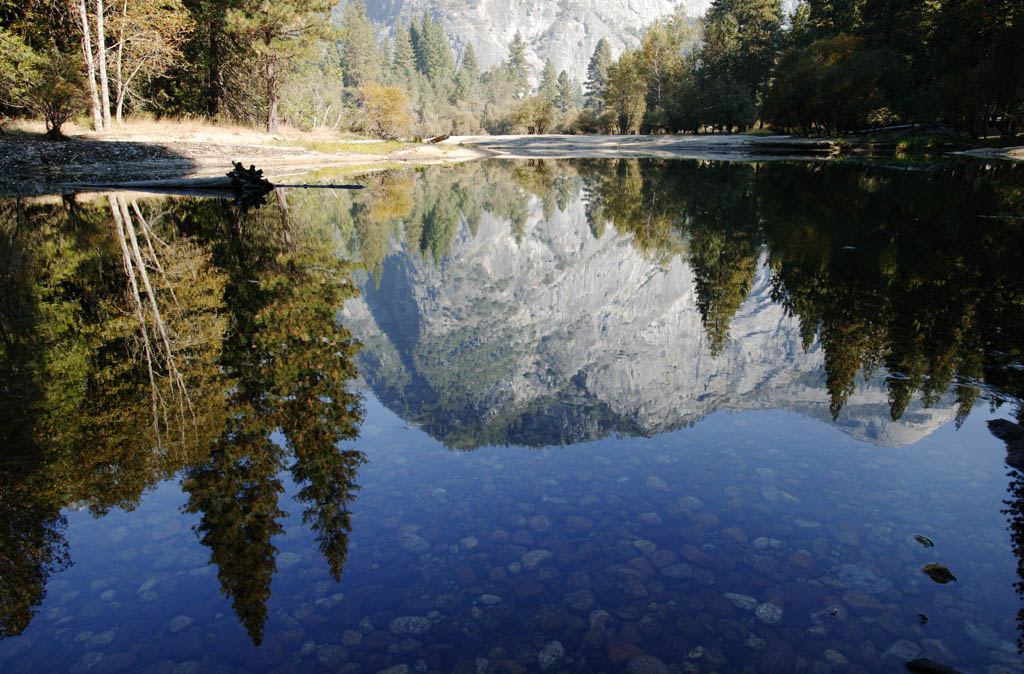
(565, 31)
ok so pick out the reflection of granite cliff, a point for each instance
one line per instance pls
(564, 338)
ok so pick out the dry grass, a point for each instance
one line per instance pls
(200, 129)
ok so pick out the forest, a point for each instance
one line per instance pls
(831, 67)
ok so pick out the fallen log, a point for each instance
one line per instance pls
(246, 187)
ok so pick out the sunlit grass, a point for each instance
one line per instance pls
(345, 146)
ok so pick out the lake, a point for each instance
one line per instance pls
(634, 416)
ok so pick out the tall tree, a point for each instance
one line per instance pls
(360, 54)
(403, 59)
(597, 75)
(565, 95)
(548, 85)
(278, 31)
(518, 70)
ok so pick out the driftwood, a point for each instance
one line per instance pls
(246, 187)
(249, 186)
(438, 139)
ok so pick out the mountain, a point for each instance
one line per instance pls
(565, 31)
(562, 337)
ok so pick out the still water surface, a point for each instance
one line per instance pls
(506, 417)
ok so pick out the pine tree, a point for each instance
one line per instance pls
(517, 67)
(597, 75)
(360, 54)
(548, 87)
(468, 76)
(278, 31)
(403, 59)
(565, 98)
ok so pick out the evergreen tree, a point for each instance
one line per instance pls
(548, 86)
(278, 31)
(360, 54)
(403, 59)
(597, 75)
(468, 76)
(518, 70)
(565, 96)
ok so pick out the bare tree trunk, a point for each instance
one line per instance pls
(271, 94)
(90, 67)
(119, 83)
(101, 54)
(215, 104)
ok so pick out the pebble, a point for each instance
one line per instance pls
(413, 542)
(469, 542)
(531, 560)
(410, 625)
(649, 518)
(178, 623)
(351, 638)
(647, 664)
(490, 599)
(768, 613)
(101, 640)
(656, 482)
(647, 548)
(331, 656)
(744, 601)
(678, 570)
(581, 601)
(551, 655)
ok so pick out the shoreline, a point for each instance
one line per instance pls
(31, 166)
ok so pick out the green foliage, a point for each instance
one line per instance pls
(360, 53)
(597, 74)
(535, 114)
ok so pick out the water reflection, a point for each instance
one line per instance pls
(537, 303)
(879, 274)
(219, 328)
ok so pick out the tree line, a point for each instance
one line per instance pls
(830, 67)
(261, 63)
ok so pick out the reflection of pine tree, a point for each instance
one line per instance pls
(290, 363)
(723, 273)
(34, 548)
(236, 490)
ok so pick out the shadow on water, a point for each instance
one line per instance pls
(145, 339)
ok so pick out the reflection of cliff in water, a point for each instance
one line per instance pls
(565, 337)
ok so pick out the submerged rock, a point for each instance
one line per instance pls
(647, 664)
(410, 624)
(862, 579)
(744, 601)
(768, 613)
(531, 560)
(939, 573)
(924, 540)
(551, 655)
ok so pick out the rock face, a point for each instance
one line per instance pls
(565, 31)
(564, 337)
